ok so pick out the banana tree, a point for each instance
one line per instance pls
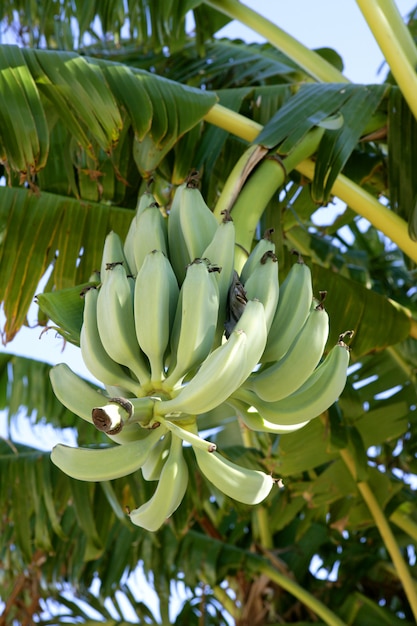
(104, 104)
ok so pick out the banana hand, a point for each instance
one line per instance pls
(285, 376)
(315, 396)
(224, 369)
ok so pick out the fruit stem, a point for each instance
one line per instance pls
(385, 532)
(264, 182)
(260, 513)
(264, 527)
(383, 219)
(311, 62)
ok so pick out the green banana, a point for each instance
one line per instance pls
(113, 253)
(76, 394)
(155, 302)
(285, 376)
(263, 245)
(100, 464)
(145, 200)
(150, 234)
(195, 322)
(79, 397)
(295, 298)
(240, 483)
(169, 491)
(220, 251)
(224, 370)
(116, 323)
(191, 227)
(252, 420)
(95, 357)
(263, 284)
(315, 396)
(178, 253)
(152, 468)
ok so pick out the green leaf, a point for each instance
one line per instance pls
(377, 322)
(336, 146)
(65, 308)
(402, 156)
(34, 231)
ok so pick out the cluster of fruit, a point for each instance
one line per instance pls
(172, 331)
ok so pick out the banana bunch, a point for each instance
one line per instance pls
(173, 332)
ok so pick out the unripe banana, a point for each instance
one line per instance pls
(116, 323)
(191, 227)
(169, 492)
(224, 369)
(315, 396)
(240, 483)
(145, 200)
(155, 302)
(295, 297)
(80, 397)
(113, 253)
(285, 376)
(100, 464)
(152, 468)
(263, 284)
(150, 234)
(221, 252)
(195, 321)
(264, 245)
(178, 253)
(94, 355)
(252, 420)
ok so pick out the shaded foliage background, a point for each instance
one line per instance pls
(92, 113)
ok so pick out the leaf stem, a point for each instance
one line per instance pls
(385, 220)
(385, 532)
(388, 222)
(226, 601)
(396, 43)
(405, 523)
(328, 616)
(311, 62)
(264, 182)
